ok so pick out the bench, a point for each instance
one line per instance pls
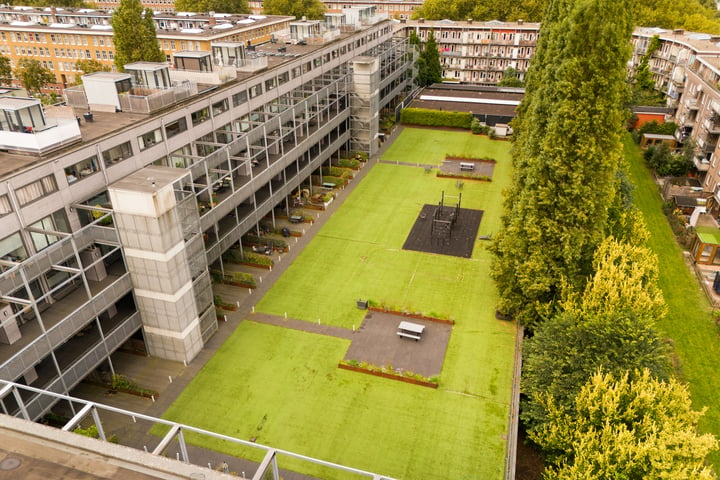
(328, 185)
(467, 166)
(409, 335)
(410, 330)
(296, 218)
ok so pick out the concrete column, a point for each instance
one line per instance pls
(364, 104)
(151, 214)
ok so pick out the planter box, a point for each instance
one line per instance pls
(390, 376)
(413, 315)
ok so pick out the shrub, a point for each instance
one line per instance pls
(244, 278)
(349, 163)
(272, 242)
(436, 118)
(256, 258)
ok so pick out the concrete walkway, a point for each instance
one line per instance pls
(170, 378)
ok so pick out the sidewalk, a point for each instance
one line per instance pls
(170, 378)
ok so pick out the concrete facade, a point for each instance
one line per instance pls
(154, 195)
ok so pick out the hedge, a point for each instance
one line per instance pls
(436, 118)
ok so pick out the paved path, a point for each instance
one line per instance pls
(302, 325)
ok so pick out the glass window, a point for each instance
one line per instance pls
(12, 248)
(36, 189)
(220, 107)
(255, 90)
(149, 139)
(200, 116)
(173, 128)
(239, 98)
(5, 206)
(116, 154)
(81, 170)
(57, 222)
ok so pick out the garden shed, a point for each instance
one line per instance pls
(706, 245)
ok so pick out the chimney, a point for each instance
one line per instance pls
(212, 21)
(421, 20)
(53, 11)
(469, 20)
(520, 21)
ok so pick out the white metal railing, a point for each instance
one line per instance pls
(267, 469)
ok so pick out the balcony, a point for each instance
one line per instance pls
(701, 163)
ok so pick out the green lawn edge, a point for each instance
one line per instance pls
(689, 320)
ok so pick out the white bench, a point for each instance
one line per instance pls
(410, 330)
(409, 335)
(467, 166)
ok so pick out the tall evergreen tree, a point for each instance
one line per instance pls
(566, 155)
(134, 35)
(428, 63)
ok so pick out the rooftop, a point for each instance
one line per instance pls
(107, 123)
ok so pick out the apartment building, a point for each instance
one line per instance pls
(58, 37)
(478, 52)
(113, 207)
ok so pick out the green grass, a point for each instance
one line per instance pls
(689, 321)
(429, 147)
(291, 379)
(283, 387)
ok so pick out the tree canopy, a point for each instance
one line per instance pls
(312, 9)
(229, 6)
(626, 427)
(5, 70)
(693, 15)
(567, 154)
(33, 76)
(428, 63)
(87, 66)
(134, 35)
(567, 349)
(510, 78)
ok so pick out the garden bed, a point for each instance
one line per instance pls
(383, 372)
(418, 316)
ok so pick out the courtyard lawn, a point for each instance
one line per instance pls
(689, 321)
(429, 146)
(284, 388)
(291, 380)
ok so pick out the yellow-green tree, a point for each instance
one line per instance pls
(625, 427)
(625, 280)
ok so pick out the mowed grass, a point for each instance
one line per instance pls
(429, 147)
(283, 386)
(689, 321)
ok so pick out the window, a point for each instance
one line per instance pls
(82, 169)
(12, 248)
(173, 128)
(255, 90)
(149, 139)
(5, 206)
(117, 154)
(269, 84)
(36, 189)
(57, 222)
(219, 107)
(283, 78)
(200, 116)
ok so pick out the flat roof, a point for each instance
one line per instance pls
(708, 234)
(106, 123)
(17, 103)
(495, 101)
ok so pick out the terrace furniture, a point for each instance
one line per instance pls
(296, 218)
(410, 330)
(328, 185)
(467, 166)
